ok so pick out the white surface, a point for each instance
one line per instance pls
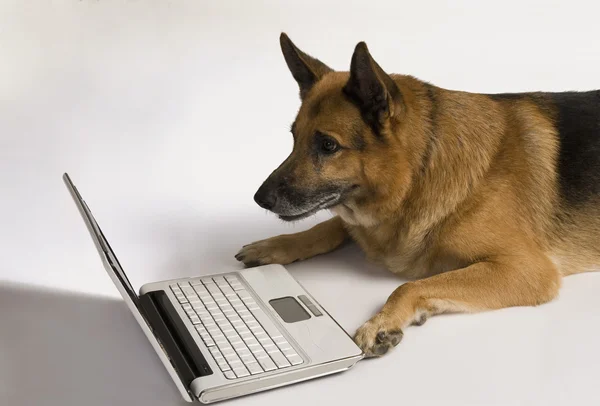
(169, 115)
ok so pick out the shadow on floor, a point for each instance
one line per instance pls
(63, 349)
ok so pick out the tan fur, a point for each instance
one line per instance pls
(476, 223)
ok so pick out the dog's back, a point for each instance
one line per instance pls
(575, 121)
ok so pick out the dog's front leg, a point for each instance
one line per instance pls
(503, 282)
(287, 248)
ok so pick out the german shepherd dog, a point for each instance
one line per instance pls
(482, 201)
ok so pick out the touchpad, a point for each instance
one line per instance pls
(289, 309)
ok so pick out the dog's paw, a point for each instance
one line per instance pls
(377, 336)
(276, 250)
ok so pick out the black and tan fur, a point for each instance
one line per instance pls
(483, 201)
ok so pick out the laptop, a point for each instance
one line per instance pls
(231, 334)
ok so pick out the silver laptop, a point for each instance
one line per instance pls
(231, 334)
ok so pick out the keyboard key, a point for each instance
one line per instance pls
(289, 352)
(271, 349)
(246, 359)
(213, 310)
(238, 324)
(235, 301)
(261, 354)
(238, 287)
(200, 290)
(239, 346)
(195, 282)
(232, 358)
(261, 334)
(257, 329)
(223, 365)
(253, 307)
(252, 341)
(178, 294)
(243, 294)
(235, 363)
(266, 342)
(213, 289)
(219, 317)
(254, 368)
(245, 331)
(220, 338)
(229, 374)
(241, 372)
(295, 359)
(207, 321)
(280, 360)
(195, 319)
(267, 364)
(279, 340)
(248, 301)
(256, 349)
(188, 291)
(235, 339)
(285, 347)
(253, 324)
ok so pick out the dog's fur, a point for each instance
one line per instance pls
(483, 201)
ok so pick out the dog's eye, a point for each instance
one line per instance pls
(328, 145)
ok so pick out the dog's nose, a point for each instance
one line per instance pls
(265, 198)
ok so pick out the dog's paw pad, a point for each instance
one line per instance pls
(375, 340)
(419, 321)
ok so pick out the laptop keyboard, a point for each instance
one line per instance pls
(225, 315)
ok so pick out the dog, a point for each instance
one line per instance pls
(482, 201)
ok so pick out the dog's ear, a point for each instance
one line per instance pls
(373, 90)
(305, 69)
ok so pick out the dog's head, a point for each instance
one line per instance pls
(345, 152)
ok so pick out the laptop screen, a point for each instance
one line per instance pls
(115, 271)
(113, 266)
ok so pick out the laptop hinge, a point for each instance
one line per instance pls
(174, 337)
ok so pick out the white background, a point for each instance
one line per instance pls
(168, 115)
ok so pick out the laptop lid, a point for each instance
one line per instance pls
(119, 278)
